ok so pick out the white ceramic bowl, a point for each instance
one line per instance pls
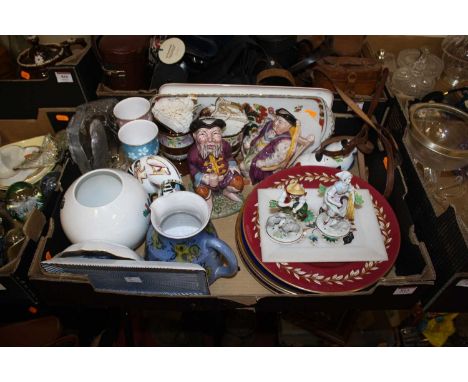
(106, 205)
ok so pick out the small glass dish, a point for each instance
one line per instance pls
(432, 66)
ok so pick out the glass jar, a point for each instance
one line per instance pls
(455, 57)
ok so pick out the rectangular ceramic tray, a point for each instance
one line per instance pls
(311, 106)
(367, 244)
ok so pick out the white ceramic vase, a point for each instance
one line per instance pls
(106, 205)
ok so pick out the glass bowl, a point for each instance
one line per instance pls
(438, 136)
(412, 83)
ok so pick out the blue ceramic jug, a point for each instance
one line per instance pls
(205, 249)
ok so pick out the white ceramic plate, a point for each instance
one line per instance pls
(30, 175)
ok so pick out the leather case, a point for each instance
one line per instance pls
(354, 75)
(123, 60)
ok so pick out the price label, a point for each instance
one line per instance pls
(2, 287)
(64, 77)
(402, 291)
(133, 280)
(463, 283)
(171, 51)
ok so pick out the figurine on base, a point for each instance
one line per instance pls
(293, 200)
(272, 146)
(337, 210)
(212, 166)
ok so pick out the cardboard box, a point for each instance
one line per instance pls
(47, 121)
(69, 83)
(14, 285)
(452, 296)
(401, 288)
(243, 290)
(442, 230)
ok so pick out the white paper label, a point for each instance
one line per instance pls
(2, 287)
(133, 280)
(463, 283)
(64, 77)
(171, 51)
(400, 291)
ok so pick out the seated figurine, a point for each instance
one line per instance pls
(211, 163)
(271, 147)
(293, 200)
(338, 207)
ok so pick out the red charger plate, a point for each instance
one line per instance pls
(330, 277)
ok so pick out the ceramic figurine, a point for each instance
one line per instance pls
(337, 210)
(293, 200)
(272, 146)
(211, 164)
(286, 225)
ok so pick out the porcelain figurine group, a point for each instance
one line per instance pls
(266, 148)
(335, 216)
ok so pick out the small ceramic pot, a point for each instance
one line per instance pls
(139, 138)
(131, 109)
(181, 231)
(106, 205)
(235, 141)
(154, 172)
(175, 146)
